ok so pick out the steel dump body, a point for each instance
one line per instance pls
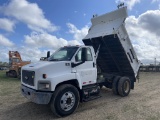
(116, 53)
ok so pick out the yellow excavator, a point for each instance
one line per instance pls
(15, 64)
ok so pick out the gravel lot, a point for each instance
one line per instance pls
(143, 103)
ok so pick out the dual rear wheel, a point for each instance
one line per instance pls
(121, 86)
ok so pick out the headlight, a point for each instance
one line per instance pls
(45, 85)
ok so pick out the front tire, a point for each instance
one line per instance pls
(124, 86)
(65, 100)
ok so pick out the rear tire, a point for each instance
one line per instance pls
(124, 86)
(65, 100)
(115, 85)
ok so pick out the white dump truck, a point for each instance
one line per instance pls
(75, 74)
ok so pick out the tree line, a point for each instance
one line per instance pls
(3, 63)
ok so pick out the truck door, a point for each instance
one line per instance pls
(86, 71)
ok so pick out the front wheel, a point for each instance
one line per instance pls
(65, 100)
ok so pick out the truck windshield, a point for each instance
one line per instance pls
(63, 54)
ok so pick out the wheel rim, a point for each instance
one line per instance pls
(67, 101)
(126, 86)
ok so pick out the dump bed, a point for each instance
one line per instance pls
(116, 53)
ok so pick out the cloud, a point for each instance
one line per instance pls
(7, 24)
(32, 54)
(37, 44)
(27, 53)
(143, 32)
(130, 3)
(45, 40)
(40, 40)
(75, 11)
(4, 42)
(4, 54)
(28, 13)
(150, 21)
(78, 34)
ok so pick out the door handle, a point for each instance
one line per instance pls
(93, 64)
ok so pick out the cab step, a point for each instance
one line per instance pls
(91, 98)
(90, 92)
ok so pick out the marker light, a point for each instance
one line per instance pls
(44, 76)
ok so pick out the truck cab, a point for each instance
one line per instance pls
(67, 63)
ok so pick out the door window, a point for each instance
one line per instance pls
(88, 55)
(78, 57)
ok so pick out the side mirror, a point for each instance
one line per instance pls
(43, 58)
(48, 54)
(83, 54)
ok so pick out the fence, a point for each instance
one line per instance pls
(150, 68)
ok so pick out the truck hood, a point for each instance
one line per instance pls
(38, 65)
(50, 68)
(46, 64)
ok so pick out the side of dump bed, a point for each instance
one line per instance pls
(116, 54)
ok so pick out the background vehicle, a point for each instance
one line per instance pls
(15, 64)
(75, 74)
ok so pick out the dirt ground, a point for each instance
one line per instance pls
(143, 103)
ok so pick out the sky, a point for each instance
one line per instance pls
(34, 27)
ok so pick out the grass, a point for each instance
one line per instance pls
(152, 117)
(128, 107)
(6, 79)
(111, 117)
(137, 106)
(7, 84)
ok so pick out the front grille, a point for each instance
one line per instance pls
(28, 77)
